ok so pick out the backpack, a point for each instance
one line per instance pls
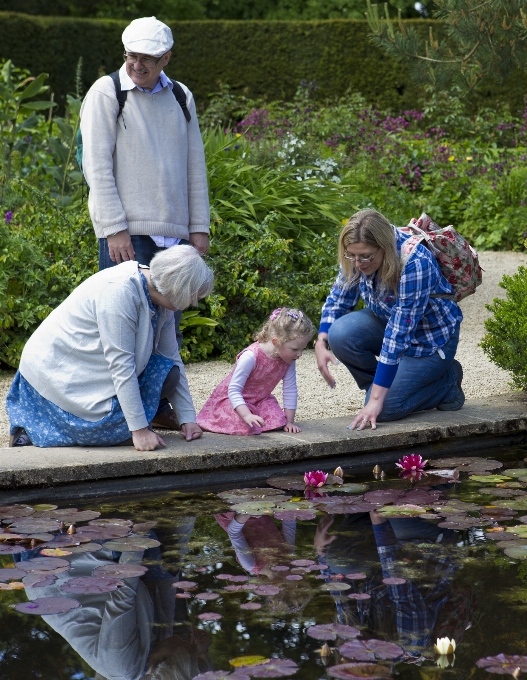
(121, 95)
(457, 259)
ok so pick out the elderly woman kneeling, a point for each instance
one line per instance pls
(95, 369)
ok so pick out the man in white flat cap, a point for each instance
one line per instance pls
(143, 159)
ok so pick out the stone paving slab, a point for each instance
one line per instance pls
(480, 418)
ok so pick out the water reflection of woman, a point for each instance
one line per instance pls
(139, 630)
(412, 614)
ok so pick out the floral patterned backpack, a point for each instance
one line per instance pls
(457, 259)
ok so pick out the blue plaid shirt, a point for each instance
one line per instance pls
(416, 324)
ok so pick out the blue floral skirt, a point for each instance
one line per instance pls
(48, 425)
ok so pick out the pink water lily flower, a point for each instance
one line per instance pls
(315, 478)
(412, 463)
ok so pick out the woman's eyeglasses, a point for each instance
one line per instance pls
(361, 260)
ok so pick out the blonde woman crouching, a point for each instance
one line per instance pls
(413, 334)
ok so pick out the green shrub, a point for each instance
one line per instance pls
(44, 255)
(506, 340)
(257, 271)
(258, 58)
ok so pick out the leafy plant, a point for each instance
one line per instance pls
(506, 340)
(18, 114)
(482, 40)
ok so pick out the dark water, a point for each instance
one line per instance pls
(457, 583)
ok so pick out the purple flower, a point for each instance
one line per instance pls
(8, 216)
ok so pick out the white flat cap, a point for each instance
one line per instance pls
(147, 36)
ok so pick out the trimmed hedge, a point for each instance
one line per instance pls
(259, 58)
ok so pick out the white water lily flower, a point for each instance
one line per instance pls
(445, 646)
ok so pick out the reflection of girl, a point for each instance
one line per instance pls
(258, 542)
(260, 545)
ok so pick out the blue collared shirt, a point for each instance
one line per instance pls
(416, 324)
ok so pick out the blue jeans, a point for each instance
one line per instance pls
(145, 248)
(420, 384)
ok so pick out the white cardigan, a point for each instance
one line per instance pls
(95, 344)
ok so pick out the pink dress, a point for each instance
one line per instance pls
(217, 414)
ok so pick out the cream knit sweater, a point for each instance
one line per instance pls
(146, 169)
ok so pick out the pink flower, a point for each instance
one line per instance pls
(315, 478)
(412, 463)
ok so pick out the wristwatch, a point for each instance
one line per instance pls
(324, 340)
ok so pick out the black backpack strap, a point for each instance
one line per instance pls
(120, 94)
(179, 94)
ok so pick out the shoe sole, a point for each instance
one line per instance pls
(14, 437)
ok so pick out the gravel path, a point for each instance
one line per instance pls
(316, 400)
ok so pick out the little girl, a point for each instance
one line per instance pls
(242, 403)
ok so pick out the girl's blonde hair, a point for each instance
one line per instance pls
(285, 324)
(369, 226)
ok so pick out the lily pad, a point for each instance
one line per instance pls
(517, 550)
(120, 570)
(220, 675)
(383, 495)
(95, 533)
(274, 668)
(253, 660)
(419, 497)
(10, 511)
(302, 515)
(267, 590)
(91, 585)
(502, 493)
(393, 581)
(34, 526)
(71, 515)
(370, 650)
(45, 606)
(359, 596)
(207, 596)
(294, 577)
(143, 527)
(110, 521)
(489, 479)
(351, 487)
(255, 508)
(184, 585)
(11, 574)
(55, 552)
(11, 549)
(356, 576)
(86, 547)
(359, 671)
(43, 564)
(407, 510)
(41, 507)
(335, 585)
(462, 461)
(252, 606)
(132, 544)
(33, 580)
(209, 616)
(303, 563)
(280, 567)
(330, 631)
(503, 664)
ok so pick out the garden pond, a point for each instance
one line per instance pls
(357, 578)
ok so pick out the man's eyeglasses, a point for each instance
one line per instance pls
(149, 62)
(361, 260)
